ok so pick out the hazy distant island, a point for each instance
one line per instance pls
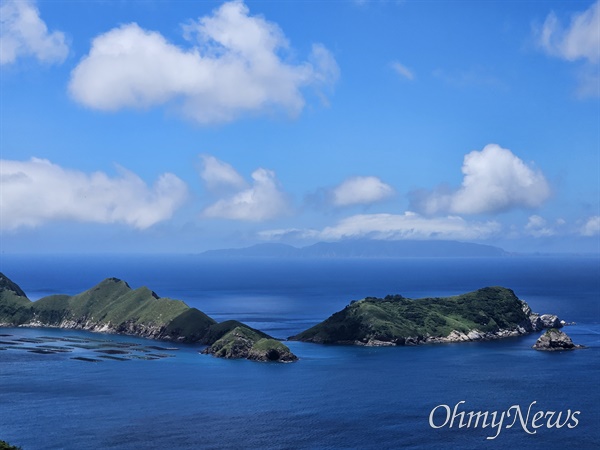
(485, 314)
(113, 307)
(363, 248)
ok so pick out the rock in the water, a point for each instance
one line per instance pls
(555, 340)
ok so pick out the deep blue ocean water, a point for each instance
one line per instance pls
(338, 397)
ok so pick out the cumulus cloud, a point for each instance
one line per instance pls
(396, 227)
(37, 191)
(591, 227)
(403, 71)
(24, 33)
(233, 67)
(360, 191)
(578, 41)
(494, 180)
(263, 200)
(218, 175)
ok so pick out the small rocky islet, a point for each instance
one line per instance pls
(555, 340)
(113, 306)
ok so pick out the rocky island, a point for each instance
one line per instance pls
(114, 307)
(485, 314)
(555, 340)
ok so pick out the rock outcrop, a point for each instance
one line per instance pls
(555, 340)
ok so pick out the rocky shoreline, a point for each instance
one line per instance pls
(391, 321)
(535, 322)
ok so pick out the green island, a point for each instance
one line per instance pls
(485, 314)
(114, 307)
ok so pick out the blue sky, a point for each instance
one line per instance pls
(154, 126)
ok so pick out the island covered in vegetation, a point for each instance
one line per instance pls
(113, 306)
(488, 313)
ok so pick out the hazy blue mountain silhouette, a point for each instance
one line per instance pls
(364, 249)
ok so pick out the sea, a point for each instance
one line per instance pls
(333, 397)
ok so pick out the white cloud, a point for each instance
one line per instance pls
(219, 175)
(360, 191)
(24, 33)
(402, 70)
(37, 191)
(395, 227)
(591, 227)
(537, 226)
(494, 180)
(408, 226)
(580, 40)
(232, 68)
(263, 200)
(288, 233)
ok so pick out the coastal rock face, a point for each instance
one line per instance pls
(540, 322)
(113, 306)
(485, 314)
(555, 340)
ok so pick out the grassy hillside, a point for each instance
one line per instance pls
(395, 318)
(14, 303)
(112, 306)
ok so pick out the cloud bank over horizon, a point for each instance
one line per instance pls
(232, 68)
(37, 191)
(407, 226)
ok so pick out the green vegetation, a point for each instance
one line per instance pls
(192, 324)
(109, 306)
(112, 306)
(110, 302)
(13, 302)
(395, 318)
(244, 342)
(6, 446)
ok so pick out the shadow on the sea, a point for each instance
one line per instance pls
(86, 349)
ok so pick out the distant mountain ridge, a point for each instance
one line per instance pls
(364, 249)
